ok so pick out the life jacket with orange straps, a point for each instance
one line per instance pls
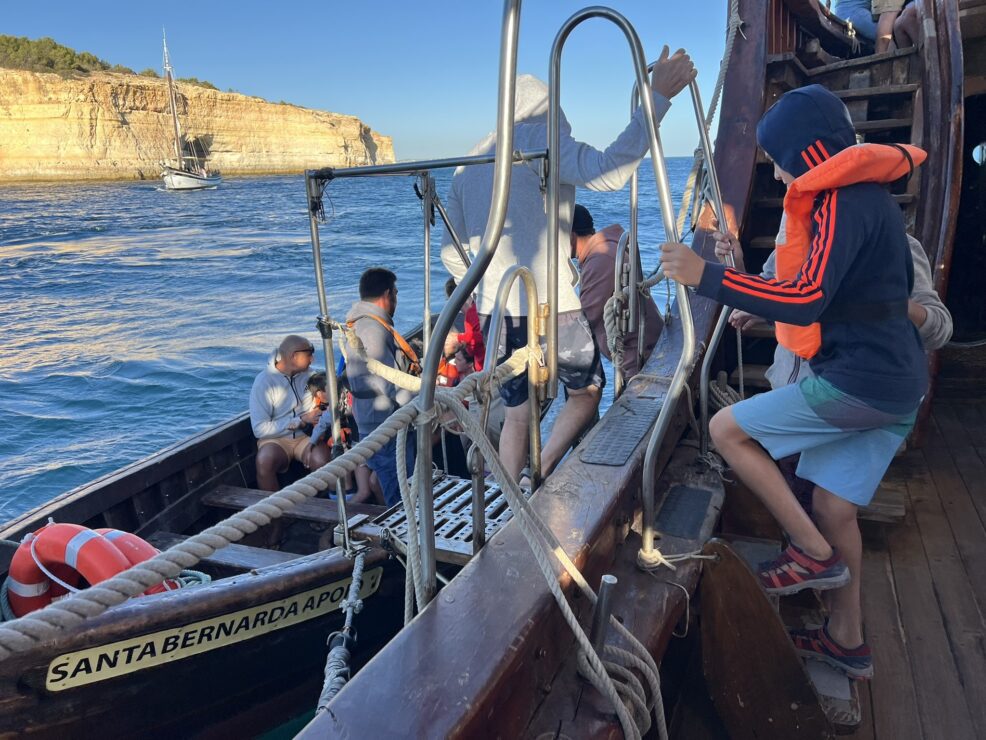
(880, 163)
(413, 363)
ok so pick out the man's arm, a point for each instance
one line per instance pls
(802, 300)
(609, 170)
(262, 411)
(935, 326)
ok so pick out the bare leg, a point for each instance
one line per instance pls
(315, 457)
(762, 476)
(364, 491)
(885, 31)
(514, 439)
(907, 27)
(836, 519)
(577, 413)
(271, 460)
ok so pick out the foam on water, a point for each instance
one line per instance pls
(135, 317)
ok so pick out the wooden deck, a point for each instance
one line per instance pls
(924, 595)
(924, 588)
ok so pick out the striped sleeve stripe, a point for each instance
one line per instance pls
(808, 288)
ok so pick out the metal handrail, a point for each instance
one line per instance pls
(503, 163)
(420, 167)
(533, 366)
(687, 359)
(554, 166)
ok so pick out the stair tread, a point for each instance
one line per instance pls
(882, 90)
(883, 124)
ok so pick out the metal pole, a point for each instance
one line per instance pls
(533, 369)
(456, 240)
(323, 325)
(424, 165)
(602, 612)
(475, 463)
(494, 228)
(427, 193)
(554, 142)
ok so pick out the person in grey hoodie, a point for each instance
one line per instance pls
(280, 404)
(375, 399)
(525, 242)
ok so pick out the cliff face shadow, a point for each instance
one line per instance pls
(201, 146)
(370, 144)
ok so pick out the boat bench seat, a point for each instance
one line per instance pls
(319, 510)
(241, 558)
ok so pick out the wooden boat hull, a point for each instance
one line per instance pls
(175, 179)
(190, 660)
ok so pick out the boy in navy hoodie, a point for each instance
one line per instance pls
(842, 303)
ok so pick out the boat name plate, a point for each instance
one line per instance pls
(82, 667)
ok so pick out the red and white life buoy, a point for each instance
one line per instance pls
(70, 552)
(136, 550)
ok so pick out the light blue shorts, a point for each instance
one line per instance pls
(846, 445)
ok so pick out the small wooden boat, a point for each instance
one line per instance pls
(187, 171)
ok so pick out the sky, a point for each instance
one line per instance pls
(423, 72)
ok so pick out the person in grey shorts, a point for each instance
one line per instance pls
(580, 369)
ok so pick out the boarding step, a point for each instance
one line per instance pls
(882, 124)
(318, 510)
(756, 678)
(881, 91)
(453, 518)
(864, 61)
(763, 242)
(239, 558)
(889, 505)
(754, 376)
(759, 331)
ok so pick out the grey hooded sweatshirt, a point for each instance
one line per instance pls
(277, 400)
(525, 232)
(935, 332)
(374, 399)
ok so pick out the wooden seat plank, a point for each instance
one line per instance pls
(233, 556)
(319, 510)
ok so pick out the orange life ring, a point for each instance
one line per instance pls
(69, 552)
(137, 550)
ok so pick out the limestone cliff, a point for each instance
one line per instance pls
(116, 126)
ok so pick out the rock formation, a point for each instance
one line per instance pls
(106, 126)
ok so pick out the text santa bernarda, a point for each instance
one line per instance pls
(119, 658)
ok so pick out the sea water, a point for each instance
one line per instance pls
(135, 317)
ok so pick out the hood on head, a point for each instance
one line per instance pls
(530, 107)
(804, 128)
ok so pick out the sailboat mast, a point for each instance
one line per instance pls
(173, 103)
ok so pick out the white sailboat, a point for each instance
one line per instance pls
(187, 171)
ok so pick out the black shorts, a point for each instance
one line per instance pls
(579, 362)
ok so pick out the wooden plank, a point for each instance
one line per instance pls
(970, 416)
(232, 557)
(952, 429)
(758, 683)
(319, 510)
(941, 701)
(861, 61)
(889, 505)
(961, 613)
(966, 526)
(972, 468)
(894, 701)
(881, 124)
(882, 90)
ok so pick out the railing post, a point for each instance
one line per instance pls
(323, 323)
(427, 187)
(494, 228)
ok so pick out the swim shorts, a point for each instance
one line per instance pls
(846, 445)
(579, 362)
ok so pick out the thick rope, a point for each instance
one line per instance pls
(28, 631)
(543, 544)
(337, 670)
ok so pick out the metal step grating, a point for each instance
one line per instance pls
(453, 517)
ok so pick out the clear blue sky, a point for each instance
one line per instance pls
(424, 72)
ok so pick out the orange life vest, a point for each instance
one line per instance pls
(880, 163)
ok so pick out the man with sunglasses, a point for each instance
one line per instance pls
(280, 404)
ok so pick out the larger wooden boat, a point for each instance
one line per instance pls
(490, 656)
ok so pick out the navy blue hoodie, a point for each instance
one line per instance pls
(858, 275)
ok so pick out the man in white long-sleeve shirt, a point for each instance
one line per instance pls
(280, 404)
(525, 242)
